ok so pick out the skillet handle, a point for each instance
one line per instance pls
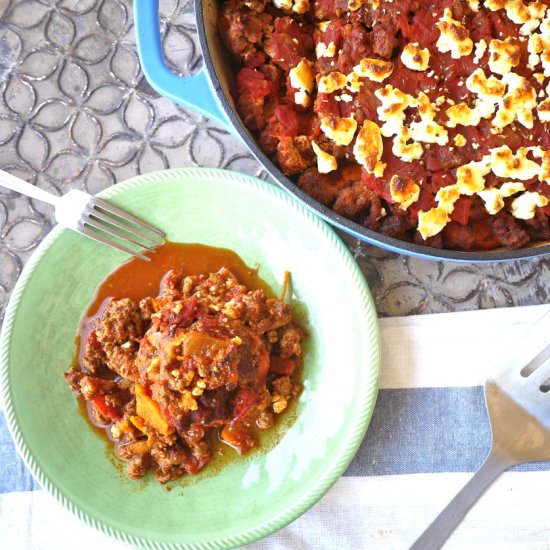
(192, 92)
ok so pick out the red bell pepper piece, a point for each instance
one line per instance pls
(244, 401)
(282, 365)
(106, 410)
(194, 465)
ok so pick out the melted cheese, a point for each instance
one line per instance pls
(454, 36)
(415, 58)
(493, 200)
(404, 191)
(323, 25)
(494, 197)
(459, 140)
(543, 110)
(539, 153)
(539, 47)
(470, 178)
(283, 4)
(407, 152)
(432, 222)
(503, 55)
(426, 109)
(369, 147)
(325, 162)
(392, 114)
(300, 6)
(392, 109)
(529, 16)
(429, 131)
(488, 89)
(495, 5)
(511, 188)
(324, 50)
(301, 98)
(426, 129)
(339, 130)
(513, 95)
(331, 82)
(374, 69)
(354, 84)
(354, 5)
(446, 197)
(506, 164)
(518, 102)
(481, 48)
(524, 206)
(463, 115)
(302, 78)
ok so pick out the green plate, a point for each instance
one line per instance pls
(248, 499)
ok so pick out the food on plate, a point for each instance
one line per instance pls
(209, 361)
(425, 121)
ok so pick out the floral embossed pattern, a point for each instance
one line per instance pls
(75, 111)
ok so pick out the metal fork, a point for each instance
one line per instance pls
(93, 217)
(518, 404)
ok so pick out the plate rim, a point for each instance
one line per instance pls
(330, 474)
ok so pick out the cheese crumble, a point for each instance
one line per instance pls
(404, 191)
(331, 82)
(407, 152)
(374, 69)
(454, 37)
(538, 47)
(432, 222)
(324, 50)
(392, 109)
(481, 48)
(459, 140)
(302, 78)
(298, 6)
(517, 104)
(463, 115)
(368, 148)
(524, 206)
(494, 196)
(543, 109)
(325, 161)
(354, 5)
(506, 164)
(339, 130)
(527, 15)
(503, 55)
(415, 58)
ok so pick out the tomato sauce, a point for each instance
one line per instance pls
(137, 279)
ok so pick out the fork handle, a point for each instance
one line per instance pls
(445, 523)
(16, 184)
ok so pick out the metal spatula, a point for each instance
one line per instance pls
(518, 403)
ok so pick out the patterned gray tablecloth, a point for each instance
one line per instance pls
(76, 111)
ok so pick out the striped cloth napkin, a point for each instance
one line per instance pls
(428, 434)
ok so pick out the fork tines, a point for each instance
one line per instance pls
(115, 227)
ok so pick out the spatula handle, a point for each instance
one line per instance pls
(445, 523)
